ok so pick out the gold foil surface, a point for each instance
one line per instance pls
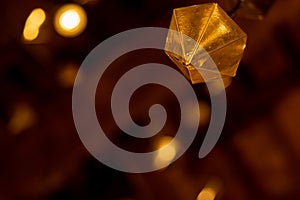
(213, 30)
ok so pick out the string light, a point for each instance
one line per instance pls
(33, 23)
(70, 20)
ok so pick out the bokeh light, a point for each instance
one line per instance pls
(67, 74)
(166, 153)
(70, 20)
(211, 189)
(207, 194)
(30, 33)
(23, 118)
(33, 23)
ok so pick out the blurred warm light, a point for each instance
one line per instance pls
(207, 194)
(23, 118)
(204, 113)
(165, 153)
(218, 85)
(30, 33)
(227, 81)
(210, 190)
(190, 112)
(82, 2)
(70, 20)
(33, 23)
(36, 17)
(67, 74)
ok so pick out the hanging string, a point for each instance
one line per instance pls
(234, 9)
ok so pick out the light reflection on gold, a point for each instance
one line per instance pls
(33, 23)
(214, 31)
(70, 20)
(166, 153)
(23, 118)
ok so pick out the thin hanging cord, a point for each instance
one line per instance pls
(234, 9)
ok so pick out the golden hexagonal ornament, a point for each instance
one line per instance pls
(212, 29)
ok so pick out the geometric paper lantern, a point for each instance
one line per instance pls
(212, 29)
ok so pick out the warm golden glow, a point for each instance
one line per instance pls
(70, 20)
(207, 194)
(212, 30)
(191, 112)
(204, 113)
(33, 23)
(23, 118)
(218, 85)
(210, 190)
(30, 33)
(37, 17)
(67, 75)
(166, 152)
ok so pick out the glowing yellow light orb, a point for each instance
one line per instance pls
(166, 153)
(30, 33)
(211, 189)
(36, 17)
(33, 23)
(70, 20)
(207, 194)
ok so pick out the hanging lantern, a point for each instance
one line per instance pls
(213, 30)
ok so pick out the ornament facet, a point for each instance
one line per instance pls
(213, 30)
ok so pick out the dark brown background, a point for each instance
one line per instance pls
(257, 156)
